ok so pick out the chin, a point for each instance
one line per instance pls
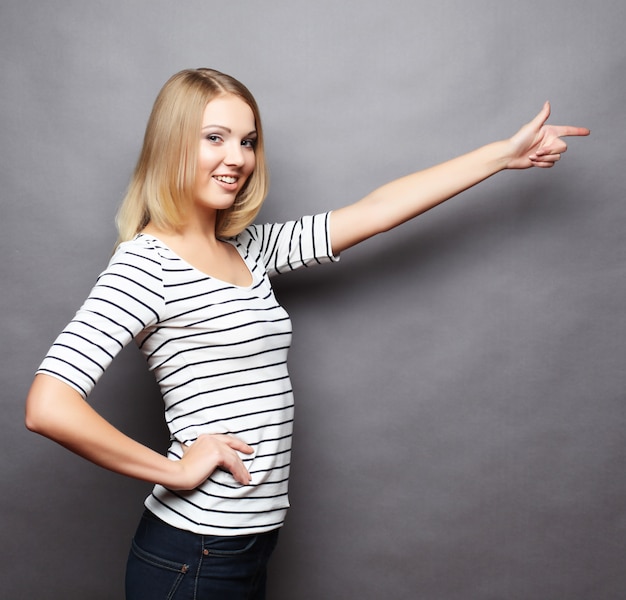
(215, 203)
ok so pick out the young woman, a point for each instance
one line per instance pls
(189, 282)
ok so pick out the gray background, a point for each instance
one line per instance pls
(460, 382)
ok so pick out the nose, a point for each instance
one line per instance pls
(234, 155)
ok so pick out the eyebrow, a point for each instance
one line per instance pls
(227, 129)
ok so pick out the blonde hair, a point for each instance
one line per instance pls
(161, 188)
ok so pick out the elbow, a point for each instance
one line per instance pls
(42, 405)
(31, 424)
(51, 408)
(40, 418)
(34, 420)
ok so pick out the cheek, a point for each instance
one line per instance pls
(207, 158)
(251, 164)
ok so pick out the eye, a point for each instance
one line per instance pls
(249, 143)
(213, 138)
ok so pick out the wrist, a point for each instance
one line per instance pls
(172, 474)
(500, 154)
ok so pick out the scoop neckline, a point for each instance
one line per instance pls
(203, 273)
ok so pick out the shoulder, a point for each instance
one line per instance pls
(143, 254)
(142, 245)
(251, 238)
(251, 232)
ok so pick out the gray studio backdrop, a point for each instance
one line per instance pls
(460, 430)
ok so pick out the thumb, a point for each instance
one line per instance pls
(542, 116)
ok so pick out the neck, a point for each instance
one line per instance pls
(198, 228)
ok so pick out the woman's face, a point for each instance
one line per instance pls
(226, 156)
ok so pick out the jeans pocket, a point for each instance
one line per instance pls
(152, 577)
(229, 546)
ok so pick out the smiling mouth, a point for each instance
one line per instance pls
(225, 178)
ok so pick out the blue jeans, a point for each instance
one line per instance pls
(166, 563)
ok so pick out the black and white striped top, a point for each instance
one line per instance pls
(219, 354)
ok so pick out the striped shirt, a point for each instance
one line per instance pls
(219, 355)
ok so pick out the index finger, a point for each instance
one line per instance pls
(237, 443)
(568, 130)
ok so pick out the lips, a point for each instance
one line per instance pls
(228, 179)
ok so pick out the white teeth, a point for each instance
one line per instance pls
(226, 179)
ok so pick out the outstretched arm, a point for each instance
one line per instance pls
(534, 145)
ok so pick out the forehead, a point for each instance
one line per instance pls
(230, 112)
